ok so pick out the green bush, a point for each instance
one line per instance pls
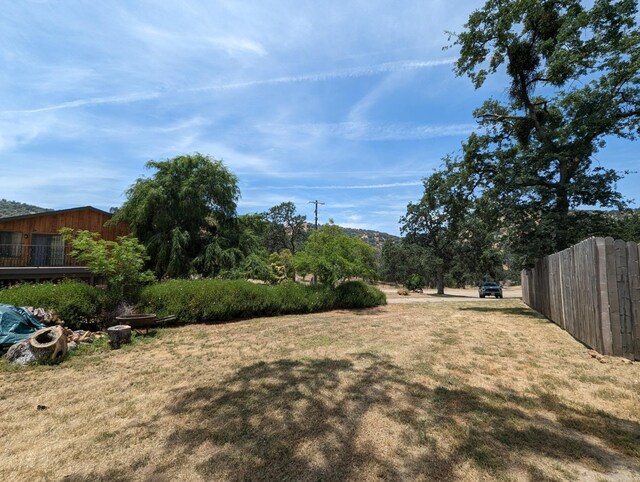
(356, 294)
(214, 300)
(72, 301)
(414, 282)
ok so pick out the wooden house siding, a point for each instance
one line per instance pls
(43, 228)
(52, 222)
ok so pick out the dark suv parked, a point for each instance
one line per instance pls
(490, 289)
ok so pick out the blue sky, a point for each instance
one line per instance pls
(350, 103)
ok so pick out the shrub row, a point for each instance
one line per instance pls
(211, 301)
(72, 301)
(194, 301)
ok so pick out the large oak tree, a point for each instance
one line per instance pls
(573, 83)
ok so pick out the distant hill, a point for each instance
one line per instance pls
(373, 238)
(13, 208)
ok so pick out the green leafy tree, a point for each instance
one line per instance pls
(574, 81)
(399, 259)
(436, 222)
(255, 266)
(454, 227)
(628, 227)
(334, 256)
(252, 230)
(414, 282)
(286, 230)
(281, 267)
(182, 214)
(619, 225)
(120, 262)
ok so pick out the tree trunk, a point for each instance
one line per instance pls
(119, 335)
(440, 281)
(562, 218)
(48, 345)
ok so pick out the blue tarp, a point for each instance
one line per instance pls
(16, 324)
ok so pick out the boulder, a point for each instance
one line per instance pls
(20, 353)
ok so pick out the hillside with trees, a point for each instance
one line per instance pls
(14, 208)
(373, 238)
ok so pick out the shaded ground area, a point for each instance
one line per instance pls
(402, 392)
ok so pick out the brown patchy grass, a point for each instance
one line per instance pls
(469, 391)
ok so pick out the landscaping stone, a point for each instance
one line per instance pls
(20, 353)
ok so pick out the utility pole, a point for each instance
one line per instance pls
(314, 280)
(316, 202)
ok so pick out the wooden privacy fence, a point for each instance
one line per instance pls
(591, 290)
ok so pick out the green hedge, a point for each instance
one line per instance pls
(211, 301)
(195, 301)
(355, 294)
(73, 301)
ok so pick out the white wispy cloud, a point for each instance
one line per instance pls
(365, 71)
(232, 44)
(369, 70)
(63, 183)
(389, 185)
(371, 131)
(15, 132)
(112, 99)
(167, 41)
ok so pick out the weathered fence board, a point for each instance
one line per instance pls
(614, 301)
(633, 267)
(603, 297)
(591, 290)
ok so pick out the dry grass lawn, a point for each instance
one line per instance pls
(457, 390)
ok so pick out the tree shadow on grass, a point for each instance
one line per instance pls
(447, 295)
(311, 419)
(377, 310)
(507, 310)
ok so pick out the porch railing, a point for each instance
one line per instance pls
(22, 255)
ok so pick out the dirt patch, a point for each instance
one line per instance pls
(467, 391)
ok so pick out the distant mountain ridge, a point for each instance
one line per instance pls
(13, 208)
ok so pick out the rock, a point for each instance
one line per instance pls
(72, 345)
(41, 407)
(21, 354)
(119, 335)
(602, 359)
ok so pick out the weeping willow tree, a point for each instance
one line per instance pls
(182, 214)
